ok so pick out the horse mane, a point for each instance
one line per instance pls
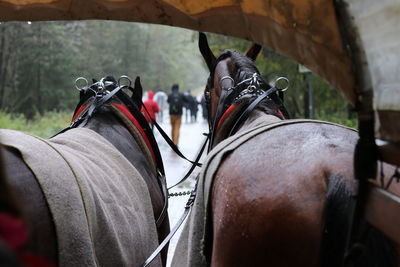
(242, 66)
(378, 250)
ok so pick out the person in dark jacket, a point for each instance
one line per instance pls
(193, 107)
(176, 101)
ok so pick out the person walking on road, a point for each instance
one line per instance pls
(175, 101)
(161, 98)
(193, 107)
(152, 108)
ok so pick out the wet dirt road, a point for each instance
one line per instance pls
(190, 141)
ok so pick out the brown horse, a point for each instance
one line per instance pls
(275, 192)
(114, 120)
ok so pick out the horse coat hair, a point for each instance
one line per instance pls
(194, 245)
(99, 202)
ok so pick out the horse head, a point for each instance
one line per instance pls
(234, 83)
(107, 84)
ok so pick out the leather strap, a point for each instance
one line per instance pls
(188, 207)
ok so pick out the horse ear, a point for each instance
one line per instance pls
(206, 51)
(254, 51)
(137, 92)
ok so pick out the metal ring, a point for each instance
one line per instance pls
(83, 88)
(124, 77)
(224, 78)
(287, 83)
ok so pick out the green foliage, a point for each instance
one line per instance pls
(40, 61)
(44, 125)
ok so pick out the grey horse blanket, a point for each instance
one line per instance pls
(191, 248)
(99, 202)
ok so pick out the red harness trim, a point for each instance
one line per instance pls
(226, 113)
(136, 123)
(280, 113)
(78, 112)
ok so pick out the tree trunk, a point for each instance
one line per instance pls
(2, 64)
(39, 102)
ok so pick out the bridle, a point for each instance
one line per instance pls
(107, 91)
(255, 89)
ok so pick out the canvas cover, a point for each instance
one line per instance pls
(377, 23)
(99, 202)
(305, 30)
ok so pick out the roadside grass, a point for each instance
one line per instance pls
(44, 126)
(52, 122)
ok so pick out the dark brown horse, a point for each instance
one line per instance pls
(280, 189)
(108, 111)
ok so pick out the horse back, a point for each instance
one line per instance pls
(268, 194)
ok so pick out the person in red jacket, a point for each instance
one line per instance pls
(152, 108)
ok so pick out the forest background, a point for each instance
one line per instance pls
(39, 62)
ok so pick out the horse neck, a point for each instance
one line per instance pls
(249, 123)
(112, 129)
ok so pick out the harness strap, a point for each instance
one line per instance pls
(227, 112)
(169, 141)
(188, 207)
(164, 210)
(187, 175)
(246, 113)
(226, 91)
(132, 119)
